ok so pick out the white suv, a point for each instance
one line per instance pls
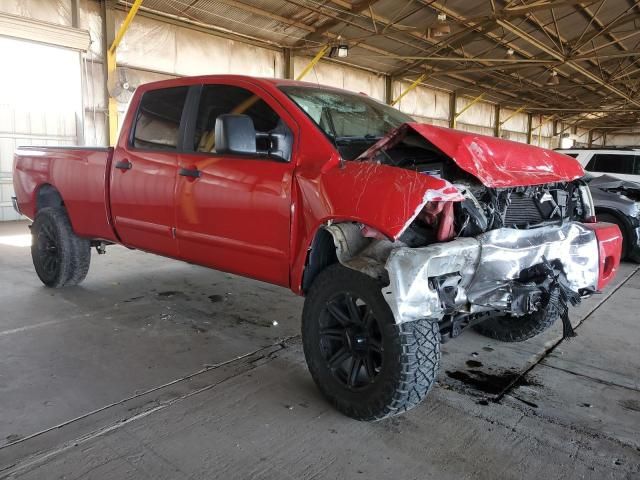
(619, 162)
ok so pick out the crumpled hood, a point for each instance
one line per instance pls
(495, 162)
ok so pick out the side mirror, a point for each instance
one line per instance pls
(235, 134)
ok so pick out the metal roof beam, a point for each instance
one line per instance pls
(578, 68)
(491, 36)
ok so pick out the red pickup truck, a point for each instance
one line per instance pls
(399, 234)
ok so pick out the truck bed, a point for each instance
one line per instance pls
(79, 174)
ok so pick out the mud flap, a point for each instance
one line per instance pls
(555, 281)
(566, 296)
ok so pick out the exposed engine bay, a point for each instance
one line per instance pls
(483, 208)
(506, 251)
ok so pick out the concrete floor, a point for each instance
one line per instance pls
(156, 369)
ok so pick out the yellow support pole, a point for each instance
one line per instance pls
(313, 62)
(540, 120)
(415, 83)
(540, 123)
(467, 107)
(520, 109)
(111, 70)
(125, 25)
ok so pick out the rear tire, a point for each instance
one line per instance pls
(518, 329)
(60, 257)
(365, 364)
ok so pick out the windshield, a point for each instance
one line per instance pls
(353, 122)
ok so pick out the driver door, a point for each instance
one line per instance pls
(233, 212)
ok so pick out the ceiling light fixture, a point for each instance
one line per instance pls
(510, 53)
(553, 78)
(442, 28)
(340, 51)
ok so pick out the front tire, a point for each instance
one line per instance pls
(60, 257)
(518, 329)
(365, 364)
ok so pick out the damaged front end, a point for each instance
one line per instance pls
(462, 281)
(506, 270)
(499, 247)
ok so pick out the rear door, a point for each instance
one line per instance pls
(233, 212)
(143, 176)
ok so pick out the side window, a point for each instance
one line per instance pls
(611, 163)
(157, 123)
(220, 99)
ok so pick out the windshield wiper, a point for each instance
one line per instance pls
(354, 139)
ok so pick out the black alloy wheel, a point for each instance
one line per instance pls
(60, 257)
(48, 250)
(351, 340)
(363, 362)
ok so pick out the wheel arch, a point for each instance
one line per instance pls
(331, 245)
(321, 254)
(618, 215)
(46, 195)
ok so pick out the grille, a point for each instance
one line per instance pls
(522, 210)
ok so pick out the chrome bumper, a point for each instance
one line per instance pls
(481, 273)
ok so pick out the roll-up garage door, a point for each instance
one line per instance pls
(40, 103)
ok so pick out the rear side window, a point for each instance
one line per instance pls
(158, 120)
(612, 163)
(220, 99)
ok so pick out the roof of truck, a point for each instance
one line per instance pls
(277, 82)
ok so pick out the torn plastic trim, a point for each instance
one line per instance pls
(485, 270)
(359, 252)
(443, 196)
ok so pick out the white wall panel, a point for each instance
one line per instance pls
(89, 19)
(514, 136)
(148, 43)
(431, 121)
(53, 11)
(340, 76)
(475, 129)
(480, 113)
(422, 102)
(623, 139)
(164, 47)
(517, 122)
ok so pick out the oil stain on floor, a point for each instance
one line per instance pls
(490, 383)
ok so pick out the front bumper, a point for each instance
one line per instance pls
(479, 274)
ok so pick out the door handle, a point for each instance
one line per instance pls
(189, 172)
(124, 165)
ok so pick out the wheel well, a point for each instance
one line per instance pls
(617, 215)
(626, 227)
(48, 196)
(321, 254)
